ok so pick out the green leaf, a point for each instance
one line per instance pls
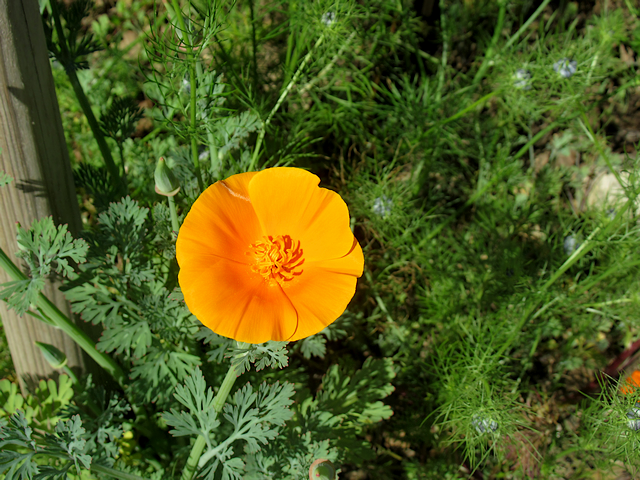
(120, 120)
(257, 419)
(16, 433)
(268, 354)
(356, 399)
(44, 247)
(10, 399)
(198, 398)
(313, 346)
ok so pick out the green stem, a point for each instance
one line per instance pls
(462, 112)
(526, 24)
(112, 472)
(218, 403)
(61, 321)
(330, 65)
(445, 47)
(526, 316)
(194, 86)
(70, 374)
(175, 226)
(605, 157)
(84, 101)
(254, 46)
(285, 92)
(494, 41)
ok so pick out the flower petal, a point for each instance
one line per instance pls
(323, 291)
(221, 222)
(288, 201)
(235, 302)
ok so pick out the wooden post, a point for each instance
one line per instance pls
(35, 154)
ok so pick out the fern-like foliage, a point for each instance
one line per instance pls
(76, 47)
(45, 248)
(269, 354)
(145, 324)
(328, 425)
(20, 444)
(254, 418)
(120, 120)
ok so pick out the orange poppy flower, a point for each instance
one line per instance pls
(631, 383)
(268, 256)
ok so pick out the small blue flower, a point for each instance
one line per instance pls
(570, 244)
(382, 206)
(634, 418)
(483, 424)
(328, 18)
(522, 79)
(186, 85)
(566, 67)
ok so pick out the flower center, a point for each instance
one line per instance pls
(278, 259)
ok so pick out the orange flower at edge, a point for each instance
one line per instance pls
(268, 256)
(631, 383)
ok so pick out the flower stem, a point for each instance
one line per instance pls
(61, 321)
(218, 403)
(70, 374)
(113, 169)
(194, 86)
(175, 226)
(285, 92)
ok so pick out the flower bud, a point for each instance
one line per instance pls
(52, 355)
(322, 470)
(166, 182)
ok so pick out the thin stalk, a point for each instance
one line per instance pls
(113, 169)
(592, 136)
(61, 321)
(254, 45)
(175, 225)
(575, 256)
(580, 252)
(194, 86)
(526, 24)
(285, 92)
(445, 47)
(218, 402)
(492, 46)
(70, 374)
(213, 155)
(330, 65)
(462, 112)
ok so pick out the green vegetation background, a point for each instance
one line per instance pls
(493, 194)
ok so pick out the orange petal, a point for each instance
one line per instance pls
(323, 291)
(288, 201)
(221, 222)
(233, 301)
(631, 383)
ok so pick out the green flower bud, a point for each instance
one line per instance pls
(322, 470)
(55, 357)
(166, 182)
